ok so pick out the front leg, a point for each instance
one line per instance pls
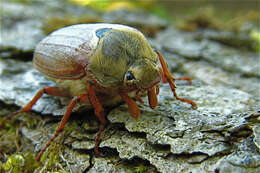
(133, 108)
(152, 97)
(167, 77)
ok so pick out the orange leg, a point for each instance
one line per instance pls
(90, 98)
(55, 91)
(164, 80)
(82, 97)
(185, 78)
(169, 78)
(99, 113)
(152, 97)
(133, 108)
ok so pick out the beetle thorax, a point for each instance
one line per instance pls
(117, 53)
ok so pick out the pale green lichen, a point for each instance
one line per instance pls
(255, 35)
(51, 158)
(18, 163)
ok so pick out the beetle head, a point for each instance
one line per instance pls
(142, 74)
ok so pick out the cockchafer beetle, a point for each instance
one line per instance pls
(100, 64)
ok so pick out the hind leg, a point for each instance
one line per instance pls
(80, 98)
(54, 91)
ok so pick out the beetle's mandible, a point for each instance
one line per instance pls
(100, 64)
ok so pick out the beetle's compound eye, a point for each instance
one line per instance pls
(129, 76)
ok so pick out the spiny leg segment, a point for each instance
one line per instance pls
(167, 77)
(55, 91)
(99, 113)
(62, 123)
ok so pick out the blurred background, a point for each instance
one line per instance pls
(36, 18)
